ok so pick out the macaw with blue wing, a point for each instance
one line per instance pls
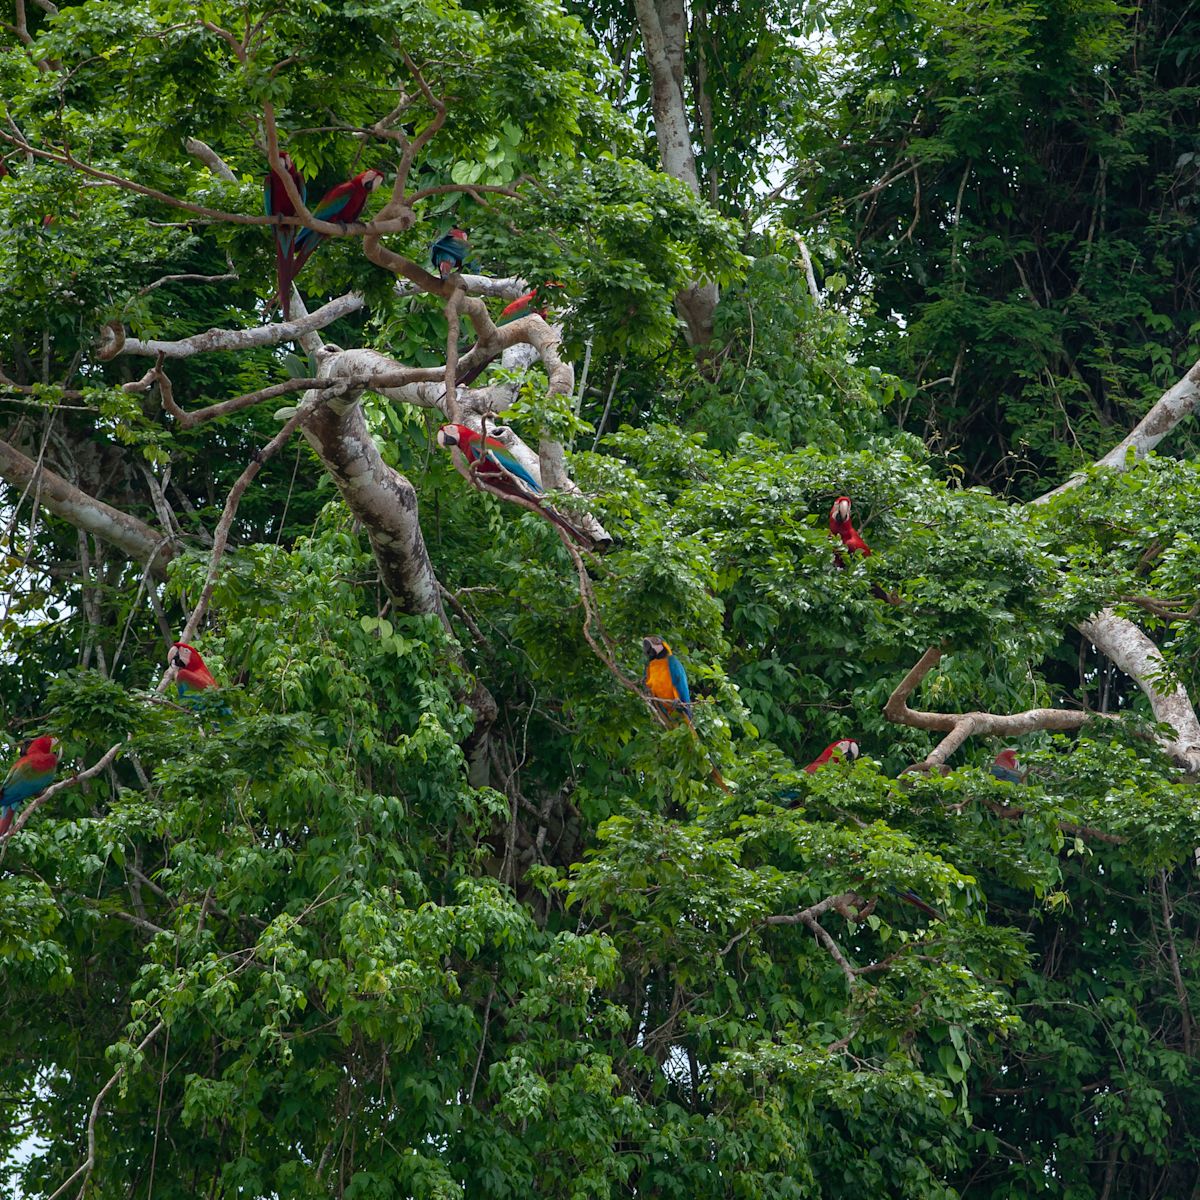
(29, 776)
(499, 470)
(193, 679)
(666, 680)
(341, 205)
(277, 203)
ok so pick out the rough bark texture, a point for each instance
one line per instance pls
(133, 537)
(664, 34)
(1131, 650)
(380, 497)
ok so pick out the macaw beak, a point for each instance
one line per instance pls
(852, 750)
(447, 437)
(54, 745)
(841, 510)
(652, 647)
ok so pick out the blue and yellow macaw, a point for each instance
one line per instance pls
(30, 776)
(666, 680)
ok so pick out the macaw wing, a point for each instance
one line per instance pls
(679, 680)
(24, 781)
(502, 458)
(333, 205)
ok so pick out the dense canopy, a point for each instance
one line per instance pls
(398, 882)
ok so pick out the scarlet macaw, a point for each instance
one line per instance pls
(665, 679)
(449, 252)
(29, 776)
(1006, 768)
(342, 204)
(847, 748)
(499, 468)
(840, 527)
(277, 202)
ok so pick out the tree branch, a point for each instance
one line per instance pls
(133, 537)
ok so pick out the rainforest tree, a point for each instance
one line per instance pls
(429, 901)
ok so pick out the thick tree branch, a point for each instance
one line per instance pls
(133, 537)
(115, 341)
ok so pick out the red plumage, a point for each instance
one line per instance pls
(843, 748)
(279, 203)
(841, 527)
(192, 673)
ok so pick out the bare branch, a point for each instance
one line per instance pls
(233, 339)
(207, 155)
(85, 1170)
(1173, 406)
(133, 537)
(960, 726)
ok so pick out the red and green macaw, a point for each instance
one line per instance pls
(340, 205)
(277, 203)
(666, 680)
(1006, 768)
(193, 679)
(501, 471)
(28, 777)
(449, 252)
(847, 748)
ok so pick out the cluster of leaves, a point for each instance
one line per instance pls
(1014, 186)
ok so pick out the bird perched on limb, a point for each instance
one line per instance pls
(845, 749)
(28, 778)
(666, 680)
(1006, 768)
(842, 528)
(494, 465)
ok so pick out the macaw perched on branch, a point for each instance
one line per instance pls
(1006, 768)
(501, 471)
(29, 776)
(841, 527)
(193, 679)
(666, 680)
(847, 748)
(449, 252)
(277, 203)
(341, 205)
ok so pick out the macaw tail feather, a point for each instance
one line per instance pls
(916, 901)
(572, 531)
(6, 820)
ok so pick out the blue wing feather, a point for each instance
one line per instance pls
(679, 679)
(502, 458)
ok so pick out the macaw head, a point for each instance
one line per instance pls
(847, 747)
(840, 512)
(459, 235)
(1008, 758)
(371, 179)
(183, 656)
(44, 745)
(655, 647)
(459, 437)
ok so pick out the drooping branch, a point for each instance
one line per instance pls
(133, 537)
